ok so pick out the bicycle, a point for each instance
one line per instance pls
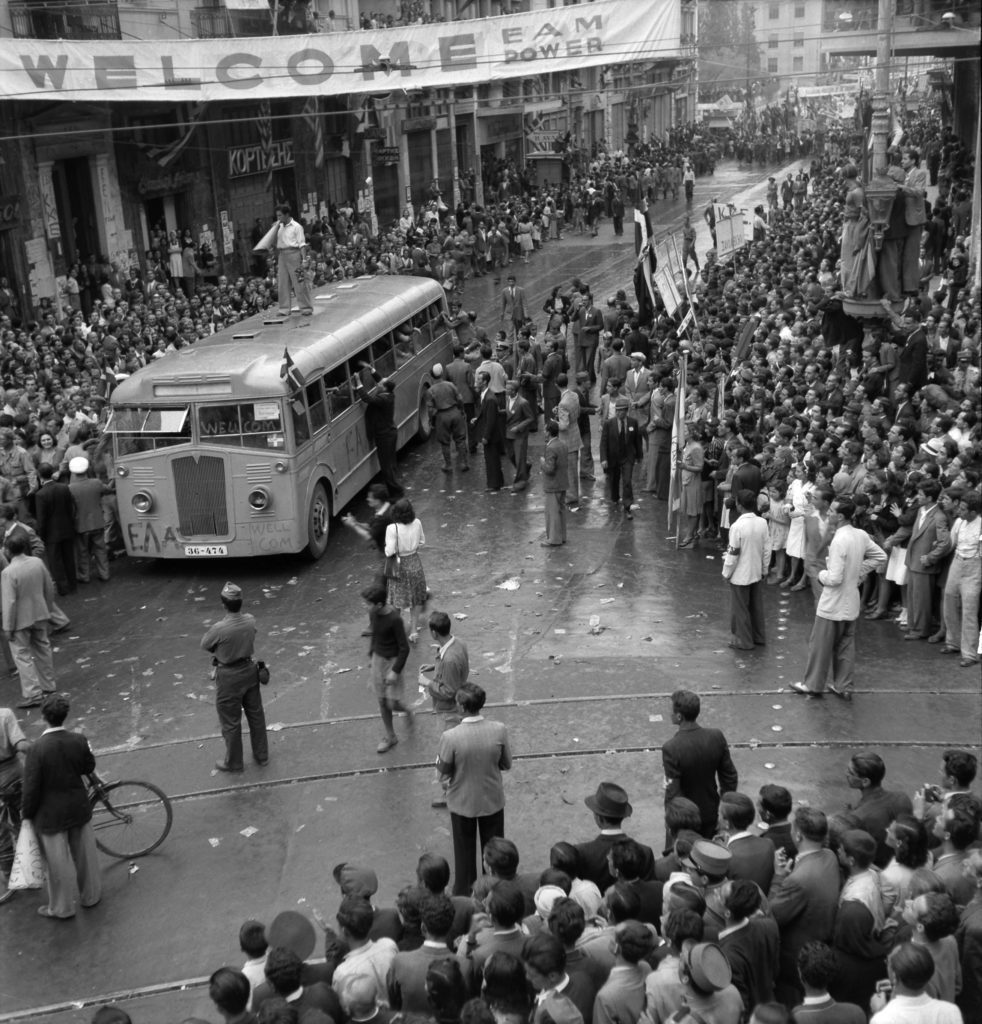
(129, 818)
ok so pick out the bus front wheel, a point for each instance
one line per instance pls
(424, 425)
(318, 522)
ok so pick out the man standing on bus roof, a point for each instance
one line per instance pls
(231, 640)
(380, 421)
(291, 262)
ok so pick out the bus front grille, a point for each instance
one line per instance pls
(199, 486)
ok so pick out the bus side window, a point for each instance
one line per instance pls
(317, 406)
(364, 356)
(383, 358)
(301, 428)
(338, 389)
(421, 321)
(437, 325)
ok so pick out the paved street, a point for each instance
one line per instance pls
(580, 706)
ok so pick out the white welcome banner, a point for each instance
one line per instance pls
(440, 55)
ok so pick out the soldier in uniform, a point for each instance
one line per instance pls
(231, 641)
(445, 403)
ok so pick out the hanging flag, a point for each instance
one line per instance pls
(641, 232)
(313, 120)
(678, 442)
(363, 115)
(289, 371)
(189, 115)
(265, 125)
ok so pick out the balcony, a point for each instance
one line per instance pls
(81, 19)
(221, 23)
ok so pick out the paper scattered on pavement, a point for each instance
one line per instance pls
(510, 584)
(214, 843)
(248, 831)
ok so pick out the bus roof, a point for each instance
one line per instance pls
(347, 316)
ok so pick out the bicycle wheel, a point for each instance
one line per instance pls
(130, 819)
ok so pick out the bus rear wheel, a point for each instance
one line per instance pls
(424, 425)
(318, 523)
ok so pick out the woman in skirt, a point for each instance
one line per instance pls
(404, 537)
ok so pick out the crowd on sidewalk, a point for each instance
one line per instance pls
(756, 908)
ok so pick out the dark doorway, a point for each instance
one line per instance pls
(76, 208)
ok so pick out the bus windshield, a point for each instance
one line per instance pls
(144, 428)
(243, 425)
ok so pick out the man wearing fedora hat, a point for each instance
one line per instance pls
(231, 642)
(610, 806)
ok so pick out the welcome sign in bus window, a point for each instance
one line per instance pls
(250, 425)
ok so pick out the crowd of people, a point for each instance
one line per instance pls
(797, 420)
(757, 908)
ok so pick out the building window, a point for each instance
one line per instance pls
(774, 11)
(772, 43)
(772, 65)
(799, 10)
(799, 40)
(798, 64)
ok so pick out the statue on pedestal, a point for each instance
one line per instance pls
(857, 253)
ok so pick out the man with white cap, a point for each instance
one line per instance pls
(90, 536)
(445, 405)
(231, 641)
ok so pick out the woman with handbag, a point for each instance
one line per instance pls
(403, 567)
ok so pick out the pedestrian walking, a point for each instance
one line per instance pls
(513, 307)
(445, 404)
(91, 555)
(620, 450)
(407, 589)
(380, 424)
(231, 642)
(747, 560)
(388, 651)
(471, 758)
(832, 645)
(27, 599)
(13, 750)
(57, 802)
(554, 465)
(568, 418)
(290, 243)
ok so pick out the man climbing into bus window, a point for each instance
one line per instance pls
(380, 423)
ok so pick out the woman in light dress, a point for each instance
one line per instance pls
(796, 505)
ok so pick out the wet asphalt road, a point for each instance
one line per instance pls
(580, 707)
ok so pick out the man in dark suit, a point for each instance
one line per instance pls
(55, 509)
(746, 475)
(610, 806)
(56, 801)
(591, 323)
(694, 758)
(803, 896)
(925, 557)
(519, 420)
(753, 856)
(750, 943)
(489, 428)
(620, 448)
(774, 806)
(626, 860)
(407, 975)
(381, 425)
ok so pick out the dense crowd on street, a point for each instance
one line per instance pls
(817, 454)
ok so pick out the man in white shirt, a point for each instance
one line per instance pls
(832, 645)
(291, 252)
(750, 543)
(910, 969)
(964, 585)
(372, 957)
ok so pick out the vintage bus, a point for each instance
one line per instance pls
(224, 448)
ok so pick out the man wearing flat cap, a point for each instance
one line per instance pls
(445, 405)
(610, 806)
(231, 641)
(707, 988)
(620, 449)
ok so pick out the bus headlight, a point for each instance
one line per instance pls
(259, 499)
(142, 502)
